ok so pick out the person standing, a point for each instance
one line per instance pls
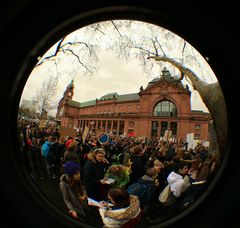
(177, 183)
(73, 192)
(93, 172)
(137, 166)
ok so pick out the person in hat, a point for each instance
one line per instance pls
(73, 192)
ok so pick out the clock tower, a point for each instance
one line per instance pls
(67, 95)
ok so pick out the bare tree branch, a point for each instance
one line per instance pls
(115, 26)
(211, 95)
(79, 60)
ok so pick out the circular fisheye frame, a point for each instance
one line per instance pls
(110, 101)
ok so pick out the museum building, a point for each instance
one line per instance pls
(163, 105)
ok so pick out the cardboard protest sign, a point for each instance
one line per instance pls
(167, 135)
(67, 131)
(42, 124)
(85, 133)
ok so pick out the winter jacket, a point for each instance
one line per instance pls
(137, 168)
(120, 182)
(117, 217)
(176, 183)
(71, 200)
(45, 149)
(93, 172)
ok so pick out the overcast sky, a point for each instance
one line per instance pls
(112, 75)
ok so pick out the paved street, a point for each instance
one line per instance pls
(50, 188)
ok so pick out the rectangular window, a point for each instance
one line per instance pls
(196, 136)
(154, 128)
(115, 124)
(121, 127)
(99, 124)
(164, 127)
(173, 127)
(109, 122)
(103, 125)
(197, 126)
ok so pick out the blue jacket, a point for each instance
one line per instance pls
(45, 148)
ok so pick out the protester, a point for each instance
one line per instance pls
(74, 194)
(93, 172)
(145, 189)
(120, 174)
(176, 183)
(137, 166)
(125, 207)
(161, 176)
(131, 158)
(45, 152)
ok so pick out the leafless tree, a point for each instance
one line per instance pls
(159, 44)
(44, 99)
(211, 95)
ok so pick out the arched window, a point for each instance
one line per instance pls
(165, 108)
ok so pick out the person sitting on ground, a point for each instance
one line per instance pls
(125, 207)
(73, 192)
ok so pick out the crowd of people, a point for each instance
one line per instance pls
(127, 179)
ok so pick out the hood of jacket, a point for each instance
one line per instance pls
(91, 157)
(146, 179)
(126, 213)
(174, 177)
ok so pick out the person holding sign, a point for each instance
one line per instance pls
(119, 174)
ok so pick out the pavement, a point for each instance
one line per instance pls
(50, 188)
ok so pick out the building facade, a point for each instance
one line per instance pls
(163, 105)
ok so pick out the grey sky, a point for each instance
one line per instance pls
(113, 75)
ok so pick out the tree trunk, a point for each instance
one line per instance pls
(211, 95)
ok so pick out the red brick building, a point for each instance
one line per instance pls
(163, 105)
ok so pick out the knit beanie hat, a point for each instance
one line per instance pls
(71, 168)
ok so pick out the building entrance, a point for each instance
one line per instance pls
(159, 128)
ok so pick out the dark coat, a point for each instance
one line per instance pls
(150, 194)
(93, 172)
(137, 168)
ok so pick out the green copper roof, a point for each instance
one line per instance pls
(109, 96)
(129, 97)
(119, 98)
(88, 103)
(74, 103)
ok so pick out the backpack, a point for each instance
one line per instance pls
(137, 189)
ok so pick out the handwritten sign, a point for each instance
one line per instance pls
(85, 133)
